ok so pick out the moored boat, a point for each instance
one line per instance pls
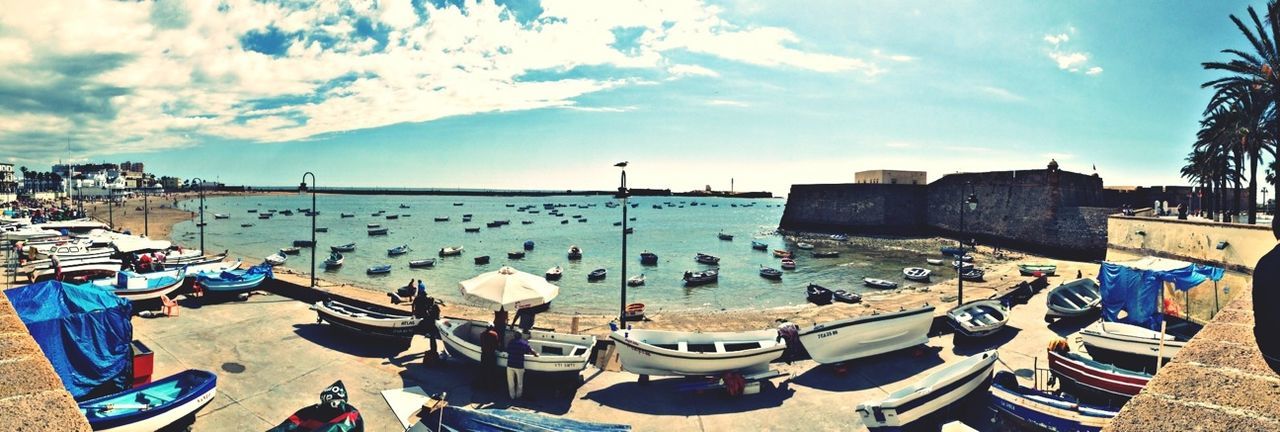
(1076, 298)
(348, 215)
(636, 280)
(373, 225)
(378, 269)
(574, 253)
(275, 259)
(979, 318)
(805, 246)
(441, 219)
(1037, 269)
(826, 254)
(381, 322)
(929, 402)
(723, 236)
(378, 231)
(221, 216)
(528, 245)
(557, 352)
(770, 273)
(677, 353)
(515, 255)
(451, 251)
(916, 274)
(158, 405)
(335, 260)
(648, 258)
(706, 259)
(481, 260)
(421, 263)
(760, 246)
(349, 247)
(780, 253)
(554, 273)
(1045, 411)
(597, 275)
(819, 295)
(788, 264)
(867, 335)
(701, 277)
(291, 250)
(879, 283)
(398, 250)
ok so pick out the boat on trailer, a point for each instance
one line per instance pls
(557, 352)
(1072, 299)
(154, 406)
(978, 318)
(1045, 411)
(933, 400)
(678, 353)
(864, 336)
(380, 322)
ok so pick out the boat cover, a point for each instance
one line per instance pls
(83, 330)
(1136, 286)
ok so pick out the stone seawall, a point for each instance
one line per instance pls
(1050, 212)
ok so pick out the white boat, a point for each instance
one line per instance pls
(916, 274)
(935, 394)
(868, 335)
(276, 259)
(979, 318)
(1076, 298)
(1120, 341)
(334, 260)
(657, 352)
(933, 261)
(451, 251)
(379, 322)
(212, 267)
(221, 216)
(636, 280)
(879, 283)
(557, 352)
(139, 287)
(554, 273)
(805, 246)
(81, 271)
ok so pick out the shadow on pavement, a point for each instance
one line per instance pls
(348, 343)
(967, 346)
(664, 397)
(459, 379)
(871, 372)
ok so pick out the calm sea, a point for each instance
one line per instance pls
(675, 233)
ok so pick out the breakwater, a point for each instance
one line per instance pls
(1047, 211)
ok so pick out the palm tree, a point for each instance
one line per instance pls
(1251, 89)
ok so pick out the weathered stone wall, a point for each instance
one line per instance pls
(1193, 241)
(855, 208)
(32, 397)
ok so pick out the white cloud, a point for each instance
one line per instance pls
(1000, 93)
(617, 109)
(900, 144)
(1057, 39)
(1067, 59)
(681, 70)
(727, 102)
(158, 75)
(900, 58)
(1093, 71)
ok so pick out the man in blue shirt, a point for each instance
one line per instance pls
(516, 350)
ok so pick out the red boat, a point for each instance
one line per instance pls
(1084, 376)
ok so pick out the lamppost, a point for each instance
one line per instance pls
(146, 214)
(1264, 200)
(201, 225)
(623, 193)
(302, 189)
(971, 202)
(111, 201)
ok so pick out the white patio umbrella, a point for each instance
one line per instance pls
(509, 289)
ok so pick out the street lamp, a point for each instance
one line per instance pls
(623, 193)
(146, 214)
(1264, 200)
(971, 202)
(201, 211)
(302, 189)
(111, 201)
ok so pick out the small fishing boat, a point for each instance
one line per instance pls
(404, 206)
(322, 229)
(779, 253)
(911, 407)
(481, 260)
(557, 352)
(1086, 377)
(1135, 347)
(451, 251)
(839, 237)
(245, 225)
(398, 250)
(349, 247)
(376, 214)
(825, 254)
(961, 265)
(879, 283)
(973, 274)
(702, 258)
(1037, 269)
(457, 204)
(770, 273)
(348, 215)
(292, 250)
(788, 264)
(864, 336)
(554, 273)
(633, 312)
(493, 224)
(373, 225)
(526, 222)
(978, 318)
(422, 263)
(636, 280)
(441, 219)
(303, 243)
(818, 294)
(234, 281)
(140, 287)
(1076, 298)
(528, 245)
(221, 216)
(154, 406)
(952, 251)
(680, 353)
(515, 255)
(276, 259)
(805, 246)
(286, 212)
(933, 261)
(253, 210)
(619, 223)
(335, 260)
(648, 258)
(916, 274)
(1044, 410)
(574, 253)
(760, 246)
(371, 321)
(564, 222)
(378, 269)
(264, 215)
(724, 236)
(596, 275)
(845, 296)
(378, 231)
(471, 229)
(701, 277)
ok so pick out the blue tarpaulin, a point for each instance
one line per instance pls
(84, 331)
(1135, 287)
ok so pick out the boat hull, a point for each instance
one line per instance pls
(160, 417)
(1040, 413)
(366, 322)
(865, 336)
(1095, 381)
(923, 409)
(558, 352)
(1127, 345)
(645, 359)
(978, 319)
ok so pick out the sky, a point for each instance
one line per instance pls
(528, 94)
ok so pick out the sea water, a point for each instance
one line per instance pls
(676, 233)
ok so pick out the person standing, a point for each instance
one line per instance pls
(516, 350)
(789, 332)
(488, 356)
(524, 319)
(426, 309)
(1266, 301)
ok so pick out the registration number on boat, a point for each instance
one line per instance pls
(827, 333)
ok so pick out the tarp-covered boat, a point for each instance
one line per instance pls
(154, 406)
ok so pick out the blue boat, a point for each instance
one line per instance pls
(451, 419)
(528, 245)
(379, 269)
(153, 406)
(952, 251)
(232, 281)
(1045, 411)
(648, 258)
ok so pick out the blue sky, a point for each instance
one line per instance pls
(549, 94)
